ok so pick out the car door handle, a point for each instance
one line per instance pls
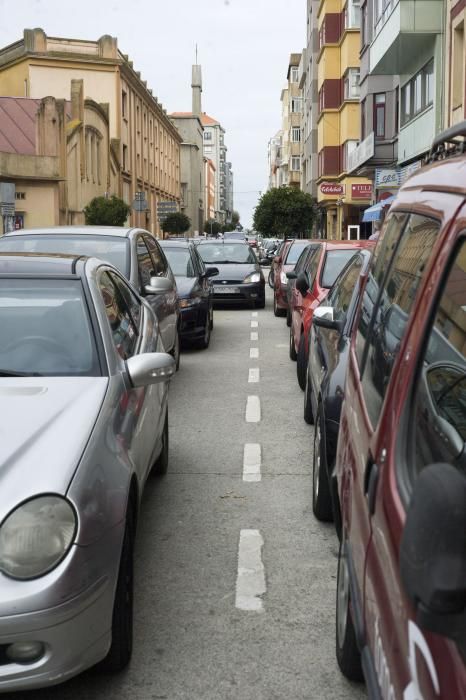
(371, 479)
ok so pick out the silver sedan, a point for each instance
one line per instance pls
(84, 405)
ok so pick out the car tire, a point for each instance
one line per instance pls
(277, 311)
(260, 303)
(119, 654)
(288, 318)
(175, 351)
(308, 413)
(160, 466)
(203, 343)
(301, 362)
(270, 279)
(292, 353)
(211, 317)
(321, 496)
(347, 652)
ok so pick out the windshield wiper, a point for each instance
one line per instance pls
(12, 373)
(231, 262)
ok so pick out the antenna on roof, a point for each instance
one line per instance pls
(196, 54)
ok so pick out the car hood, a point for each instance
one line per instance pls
(233, 272)
(45, 426)
(186, 285)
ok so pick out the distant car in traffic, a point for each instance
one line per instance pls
(240, 278)
(293, 274)
(195, 291)
(135, 252)
(84, 403)
(286, 260)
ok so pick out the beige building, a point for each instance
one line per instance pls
(455, 62)
(141, 134)
(58, 155)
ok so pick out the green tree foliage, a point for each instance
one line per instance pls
(176, 223)
(103, 211)
(213, 227)
(284, 211)
(235, 218)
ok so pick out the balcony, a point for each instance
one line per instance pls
(403, 30)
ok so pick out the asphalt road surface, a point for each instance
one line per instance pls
(235, 579)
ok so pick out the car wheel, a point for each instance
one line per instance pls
(161, 464)
(308, 414)
(321, 498)
(270, 279)
(288, 318)
(293, 354)
(348, 654)
(211, 317)
(175, 351)
(277, 311)
(203, 343)
(119, 654)
(301, 365)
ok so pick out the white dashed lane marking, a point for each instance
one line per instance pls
(254, 353)
(254, 375)
(252, 462)
(254, 324)
(254, 335)
(254, 314)
(250, 581)
(253, 409)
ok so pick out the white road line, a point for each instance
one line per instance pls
(254, 314)
(254, 336)
(254, 375)
(250, 581)
(254, 324)
(253, 409)
(254, 353)
(252, 462)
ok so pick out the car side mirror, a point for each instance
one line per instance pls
(211, 271)
(302, 284)
(433, 551)
(264, 261)
(159, 285)
(150, 368)
(291, 275)
(323, 317)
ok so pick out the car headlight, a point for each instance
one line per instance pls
(283, 278)
(190, 301)
(35, 537)
(253, 277)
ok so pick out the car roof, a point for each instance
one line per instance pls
(38, 264)
(176, 244)
(221, 241)
(119, 231)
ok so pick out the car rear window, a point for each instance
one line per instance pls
(111, 249)
(294, 251)
(335, 261)
(218, 253)
(180, 262)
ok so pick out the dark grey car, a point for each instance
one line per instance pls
(133, 251)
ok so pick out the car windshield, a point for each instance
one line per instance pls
(335, 261)
(218, 253)
(112, 249)
(180, 262)
(45, 329)
(294, 251)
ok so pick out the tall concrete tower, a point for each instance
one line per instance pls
(196, 84)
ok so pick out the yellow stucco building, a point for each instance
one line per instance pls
(342, 198)
(141, 134)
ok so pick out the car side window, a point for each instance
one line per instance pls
(343, 289)
(124, 332)
(130, 299)
(392, 311)
(160, 263)
(312, 265)
(145, 264)
(438, 430)
(200, 262)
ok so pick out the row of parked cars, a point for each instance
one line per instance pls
(379, 335)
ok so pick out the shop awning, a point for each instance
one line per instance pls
(374, 213)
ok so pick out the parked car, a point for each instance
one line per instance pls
(240, 278)
(285, 262)
(135, 252)
(312, 285)
(84, 401)
(293, 274)
(195, 291)
(329, 340)
(400, 472)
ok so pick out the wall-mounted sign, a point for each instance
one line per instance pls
(385, 177)
(332, 188)
(361, 191)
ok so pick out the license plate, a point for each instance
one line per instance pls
(226, 290)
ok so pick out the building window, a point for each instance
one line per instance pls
(296, 134)
(351, 84)
(418, 93)
(296, 104)
(207, 136)
(379, 115)
(364, 27)
(352, 14)
(294, 75)
(363, 119)
(124, 104)
(207, 149)
(458, 66)
(125, 157)
(348, 148)
(382, 11)
(295, 163)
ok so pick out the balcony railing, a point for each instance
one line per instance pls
(384, 9)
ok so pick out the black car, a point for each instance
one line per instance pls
(240, 278)
(329, 343)
(195, 290)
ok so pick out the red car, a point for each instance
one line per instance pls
(284, 262)
(312, 285)
(400, 473)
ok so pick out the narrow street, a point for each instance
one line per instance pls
(191, 641)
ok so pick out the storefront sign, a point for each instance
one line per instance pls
(363, 152)
(332, 188)
(361, 191)
(387, 177)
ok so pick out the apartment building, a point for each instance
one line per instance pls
(307, 75)
(228, 191)
(455, 62)
(274, 160)
(342, 196)
(147, 143)
(292, 108)
(215, 150)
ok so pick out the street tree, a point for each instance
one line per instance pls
(106, 211)
(212, 227)
(177, 222)
(235, 218)
(284, 211)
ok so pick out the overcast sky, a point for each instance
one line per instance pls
(243, 47)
